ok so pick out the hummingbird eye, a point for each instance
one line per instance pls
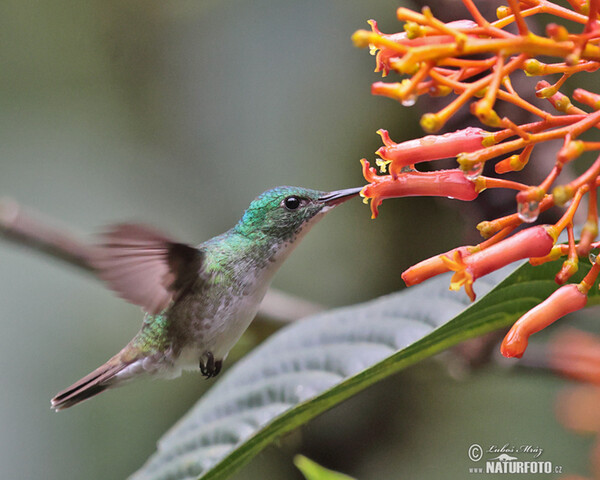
(292, 203)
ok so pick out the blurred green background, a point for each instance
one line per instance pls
(178, 114)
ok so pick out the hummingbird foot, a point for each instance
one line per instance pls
(212, 367)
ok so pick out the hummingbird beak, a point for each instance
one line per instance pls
(339, 196)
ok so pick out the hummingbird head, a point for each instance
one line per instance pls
(284, 212)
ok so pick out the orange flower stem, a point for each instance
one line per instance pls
(587, 98)
(490, 94)
(509, 124)
(535, 194)
(549, 180)
(588, 281)
(590, 229)
(587, 146)
(516, 10)
(525, 105)
(549, 69)
(453, 72)
(508, 84)
(592, 16)
(425, 87)
(563, 104)
(490, 227)
(530, 45)
(539, 126)
(467, 161)
(465, 72)
(427, 18)
(468, 90)
(483, 109)
(553, 9)
(570, 150)
(502, 234)
(571, 264)
(469, 63)
(415, 79)
(567, 218)
(590, 175)
(571, 242)
(475, 13)
(365, 38)
(550, 90)
(503, 22)
(560, 101)
(591, 119)
(489, 182)
(444, 114)
(514, 163)
(556, 252)
(468, 72)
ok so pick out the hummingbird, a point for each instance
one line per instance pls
(198, 301)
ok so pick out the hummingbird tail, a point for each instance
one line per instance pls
(94, 383)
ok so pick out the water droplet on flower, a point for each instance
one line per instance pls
(474, 171)
(592, 258)
(528, 211)
(409, 100)
(428, 140)
(450, 198)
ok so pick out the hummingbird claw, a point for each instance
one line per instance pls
(217, 369)
(212, 367)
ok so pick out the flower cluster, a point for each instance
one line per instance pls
(472, 62)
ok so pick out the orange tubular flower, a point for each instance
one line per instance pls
(435, 265)
(431, 147)
(441, 183)
(532, 242)
(430, 267)
(566, 299)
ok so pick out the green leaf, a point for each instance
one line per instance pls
(316, 363)
(313, 471)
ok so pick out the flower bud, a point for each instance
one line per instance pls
(566, 299)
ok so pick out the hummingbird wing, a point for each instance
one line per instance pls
(145, 266)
